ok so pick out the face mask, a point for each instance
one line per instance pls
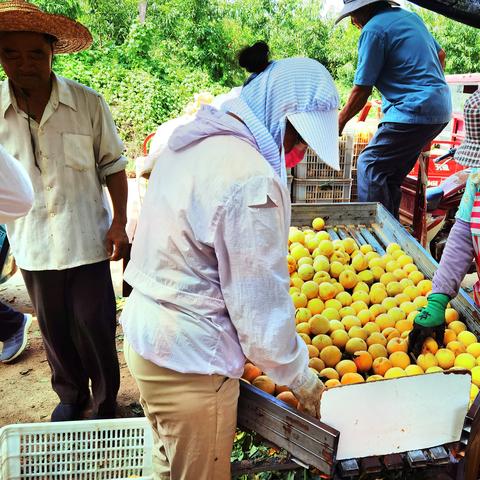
(295, 156)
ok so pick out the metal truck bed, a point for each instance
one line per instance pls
(308, 440)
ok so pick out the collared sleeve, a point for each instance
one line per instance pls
(16, 191)
(108, 147)
(371, 58)
(250, 243)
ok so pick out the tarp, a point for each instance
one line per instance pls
(465, 11)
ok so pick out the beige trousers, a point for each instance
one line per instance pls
(193, 419)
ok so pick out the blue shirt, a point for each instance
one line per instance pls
(398, 55)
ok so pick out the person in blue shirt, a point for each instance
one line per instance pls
(398, 56)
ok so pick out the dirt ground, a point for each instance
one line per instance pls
(25, 387)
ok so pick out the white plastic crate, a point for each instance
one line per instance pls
(116, 449)
(321, 191)
(313, 167)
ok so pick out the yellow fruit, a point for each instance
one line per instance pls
(339, 338)
(402, 298)
(336, 325)
(316, 363)
(424, 286)
(384, 321)
(467, 338)
(297, 282)
(332, 383)
(326, 291)
(395, 372)
(302, 315)
(476, 375)
(345, 311)
(344, 298)
(330, 355)
(318, 325)
(338, 288)
(451, 315)
(391, 267)
(396, 314)
(393, 247)
(323, 236)
(330, 373)
(295, 235)
(359, 305)
(265, 383)
(355, 345)
(292, 264)
(299, 300)
(321, 341)
(412, 292)
(434, 369)
(345, 366)
(316, 306)
(361, 296)
(366, 248)
(389, 303)
(350, 245)
(377, 350)
(399, 274)
(358, 332)
(293, 290)
(406, 282)
(420, 302)
(336, 268)
(326, 247)
(450, 336)
(404, 260)
(348, 279)
(381, 365)
(411, 316)
(303, 327)
(456, 347)
(299, 252)
(364, 316)
(366, 276)
(416, 277)
(410, 268)
(408, 307)
(394, 288)
(363, 361)
(404, 326)
(321, 264)
(361, 286)
(306, 338)
(376, 338)
(427, 360)
(374, 378)
(312, 351)
(351, 378)
(377, 272)
(318, 224)
(457, 326)
(333, 303)
(430, 345)
(465, 360)
(376, 310)
(397, 345)
(350, 321)
(331, 313)
(359, 262)
(310, 289)
(473, 392)
(400, 359)
(387, 278)
(311, 244)
(306, 272)
(377, 296)
(376, 262)
(304, 261)
(474, 349)
(414, 370)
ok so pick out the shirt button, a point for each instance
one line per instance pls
(52, 214)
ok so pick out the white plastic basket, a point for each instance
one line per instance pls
(116, 449)
(312, 167)
(321, 191)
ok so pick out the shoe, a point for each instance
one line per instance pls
(66, 412)
(104, 413)
(16, 344)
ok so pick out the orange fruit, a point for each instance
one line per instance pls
(316, 306)
(397, 345)
(303, 327)
(456, 347)
(427, 360)
(457, 326)
(430, 345)
(355, 345)
(400, 359)
(381, 365)
(377, 351)
(363, 361)
(265, 383)
(371, 327)
(374, 378)
(451, 315)
(316, 363)
(384, 321)
(280, 389)
(404, 325)
(351, 378)
(445, 358)
(411, 370)
(376, 337)
(321, 341)
(345, 366)
(332, 383)
(289, 398)
(313, 351)
(450, 336)
(251, 372)
(330, 373)
(395, 372)
(331, 355)
(305, 338)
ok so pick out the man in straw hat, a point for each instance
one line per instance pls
(399, 57)
(64, 136)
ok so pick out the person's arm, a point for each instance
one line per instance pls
(16, 191)
(251, 246)
(442, 57)
(117, 239)
(356, 101)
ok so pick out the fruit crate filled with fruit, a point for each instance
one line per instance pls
(358, 280)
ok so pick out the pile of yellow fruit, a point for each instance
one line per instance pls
(355, 309)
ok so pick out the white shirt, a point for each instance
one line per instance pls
(16, 192)
(77, 147)
(208, 266)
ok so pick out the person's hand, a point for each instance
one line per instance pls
(117, 241)
(430, 322)
(310, 394)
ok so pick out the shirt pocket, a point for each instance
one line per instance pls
(78, 151)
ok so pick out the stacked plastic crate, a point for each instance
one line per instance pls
(315, 182)
(360, 141)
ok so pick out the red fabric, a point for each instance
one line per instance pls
(294, 156)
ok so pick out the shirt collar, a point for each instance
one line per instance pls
(61, 92)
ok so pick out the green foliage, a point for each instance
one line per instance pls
(149, 72)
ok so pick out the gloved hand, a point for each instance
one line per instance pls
(310, 394)
(430, 322)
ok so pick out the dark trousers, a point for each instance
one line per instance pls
(76, 313)
(10, 321)
(387, 159)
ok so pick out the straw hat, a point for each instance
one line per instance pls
(21, 16)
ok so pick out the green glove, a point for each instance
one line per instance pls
(430, 322)
(433, 314)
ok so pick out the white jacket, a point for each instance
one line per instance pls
(208, 266)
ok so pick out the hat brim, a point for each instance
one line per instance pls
(468, 154)
(351, 7)
(319, 129)
(71, 36)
